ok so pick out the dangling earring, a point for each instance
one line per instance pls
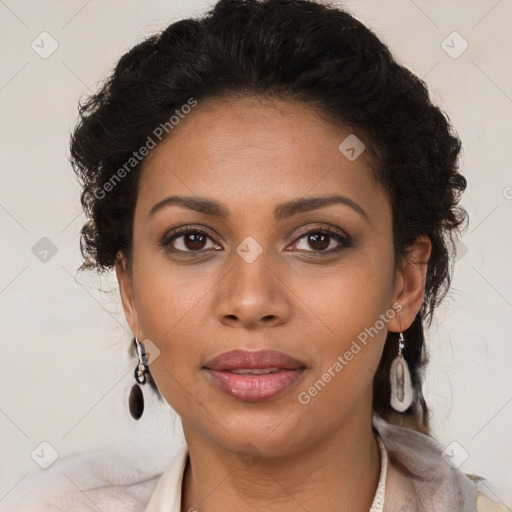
(136, 400)
(400, 376)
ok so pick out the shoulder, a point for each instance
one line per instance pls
(485, 504)
(425, 475)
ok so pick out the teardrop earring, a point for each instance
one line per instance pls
(400, 376)
(136, 399)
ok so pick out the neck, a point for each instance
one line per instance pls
(340, 472)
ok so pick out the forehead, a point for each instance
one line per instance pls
(257, 150)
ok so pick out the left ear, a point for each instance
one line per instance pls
(410, 277)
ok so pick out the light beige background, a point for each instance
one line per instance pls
(65, 364)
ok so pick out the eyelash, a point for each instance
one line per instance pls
(342, 239)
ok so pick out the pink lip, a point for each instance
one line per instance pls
(251, 387)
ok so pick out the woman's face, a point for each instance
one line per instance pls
(263, 275)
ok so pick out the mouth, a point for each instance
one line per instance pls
(254, 376)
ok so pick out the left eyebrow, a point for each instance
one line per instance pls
(305, 204)
(281, 211)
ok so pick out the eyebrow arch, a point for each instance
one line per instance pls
(282, 211)
(305, 204)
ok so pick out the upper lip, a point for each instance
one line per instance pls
(253, 359)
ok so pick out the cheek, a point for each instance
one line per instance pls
(352, 298)
(167, 295)
(168, 305)
(354, 311)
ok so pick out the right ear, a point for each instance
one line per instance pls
(124, 280)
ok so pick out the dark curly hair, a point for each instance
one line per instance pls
(299, 50)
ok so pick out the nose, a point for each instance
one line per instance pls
(252, 295)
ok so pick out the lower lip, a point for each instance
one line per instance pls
(254, 388)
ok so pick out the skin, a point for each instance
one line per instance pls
(249, 155)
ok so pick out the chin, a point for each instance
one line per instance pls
(267, 431)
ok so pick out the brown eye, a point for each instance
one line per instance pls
(188, 241)
(322, 241)
(319, 241)
(194, 241)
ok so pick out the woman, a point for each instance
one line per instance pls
(278, 198)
